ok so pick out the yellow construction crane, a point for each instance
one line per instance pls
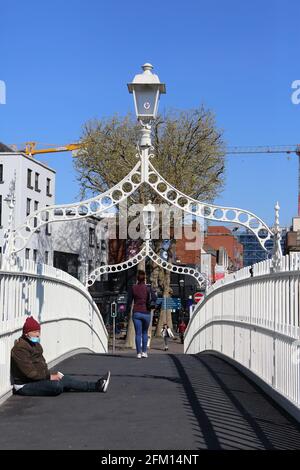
(294, 148)
(270, 149)
(31, 148)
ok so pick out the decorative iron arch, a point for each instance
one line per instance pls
(19, 238)
(143, 253)
(143, 172)
(209, 211)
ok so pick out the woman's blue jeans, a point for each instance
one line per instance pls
(141, 322)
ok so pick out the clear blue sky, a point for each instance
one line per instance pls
(66, 62)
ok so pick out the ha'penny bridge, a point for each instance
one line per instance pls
(235, 384)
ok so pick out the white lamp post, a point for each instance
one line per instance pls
(148, 219)
(146, 89)
(10, 199)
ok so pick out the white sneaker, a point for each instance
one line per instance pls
(103, 382)
(144, 355)
(139, 356)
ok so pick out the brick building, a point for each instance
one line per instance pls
(188, 248)
(218, 237)
(292, 242)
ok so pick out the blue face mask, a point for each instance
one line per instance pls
(34, 339)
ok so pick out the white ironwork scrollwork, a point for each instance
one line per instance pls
(277, 251)
(79, 210)
(209, 211)
(113, 268)
(145, 251)
(143, 172)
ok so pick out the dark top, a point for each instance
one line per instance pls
(27, 362)
(182, 327)
(140, 294)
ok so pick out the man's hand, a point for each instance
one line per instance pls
(55, 377)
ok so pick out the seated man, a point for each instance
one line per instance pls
(30, 373)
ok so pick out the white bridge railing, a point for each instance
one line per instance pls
(254, 321)
(71, 321)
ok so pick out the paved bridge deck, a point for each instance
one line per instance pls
(168, 401)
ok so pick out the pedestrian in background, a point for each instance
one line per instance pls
(181, 330)
(143, 298)
(166, 333)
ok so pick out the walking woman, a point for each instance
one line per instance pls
(143, 298)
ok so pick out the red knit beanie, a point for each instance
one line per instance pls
(31, 325)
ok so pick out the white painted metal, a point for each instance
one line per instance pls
(144, 252)
(146, 88)
(143, 172)
(70, 319)
(255, 321)
(277, 252)
(209, 211)
(78, 210)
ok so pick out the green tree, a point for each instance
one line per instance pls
(189, 154)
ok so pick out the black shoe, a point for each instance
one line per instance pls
(102, 383)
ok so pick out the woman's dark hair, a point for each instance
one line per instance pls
(141, 275)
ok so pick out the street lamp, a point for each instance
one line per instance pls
(10, 200)
(146, 89)
(148, 218)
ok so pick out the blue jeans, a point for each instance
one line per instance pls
(51, 388)
(141, 322)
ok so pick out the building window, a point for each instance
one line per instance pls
(48, 187)
(91, 236)
(46, 257)
(29, 176)
(28, 204)
(66, 262)
(47, 230)
(36, 206)
(27, 253)
(90, 266)
(0, 211)
(36, 184)
(34, 255)
(1, 173)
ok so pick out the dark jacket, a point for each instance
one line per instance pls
(140, 294)
(27, 362)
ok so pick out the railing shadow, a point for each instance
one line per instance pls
(227, 411)
(264, 422)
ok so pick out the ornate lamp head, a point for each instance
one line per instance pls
(146, 89)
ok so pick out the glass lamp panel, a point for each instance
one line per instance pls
(148, 218)
(145, 217)
(152, 217)
(145, 100)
